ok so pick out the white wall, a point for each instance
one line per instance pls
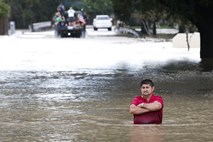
(179, 41)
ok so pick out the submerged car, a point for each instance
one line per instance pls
(102, 22)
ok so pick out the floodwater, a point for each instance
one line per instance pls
(79, 90)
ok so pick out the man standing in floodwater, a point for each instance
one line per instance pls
(148, 107)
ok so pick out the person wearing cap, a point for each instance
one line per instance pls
(147, 108)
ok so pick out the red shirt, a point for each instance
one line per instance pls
(153, 117)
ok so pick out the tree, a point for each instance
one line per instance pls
(4, 13)
(122, 9)
(4, 9)
(95, 7)
(146, 12)
(151, 12)
(199, 13)
(25, 12)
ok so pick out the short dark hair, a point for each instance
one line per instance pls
(147, 81)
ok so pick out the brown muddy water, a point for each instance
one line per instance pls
(70, 106)
(46, 100)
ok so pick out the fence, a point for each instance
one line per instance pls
(41, 26)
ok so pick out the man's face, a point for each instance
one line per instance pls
(146, 89)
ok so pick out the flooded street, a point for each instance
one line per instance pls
(79, 90)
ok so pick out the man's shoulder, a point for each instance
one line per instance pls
(138, 97)
(157, 97)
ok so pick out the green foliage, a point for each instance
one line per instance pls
(95, 7)
(122, 9)
(139, 9)
(190, 9)
(4, 9)
(25, 12)
(177, 11)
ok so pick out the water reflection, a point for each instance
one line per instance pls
(207, 64)
(146, 133)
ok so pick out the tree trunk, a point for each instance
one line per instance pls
(206, 38)
(3, 26)
(206, 42)
(181, 28)
(154, 29)
(144, 27)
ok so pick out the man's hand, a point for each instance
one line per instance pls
(151, 106)
(137, 110)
